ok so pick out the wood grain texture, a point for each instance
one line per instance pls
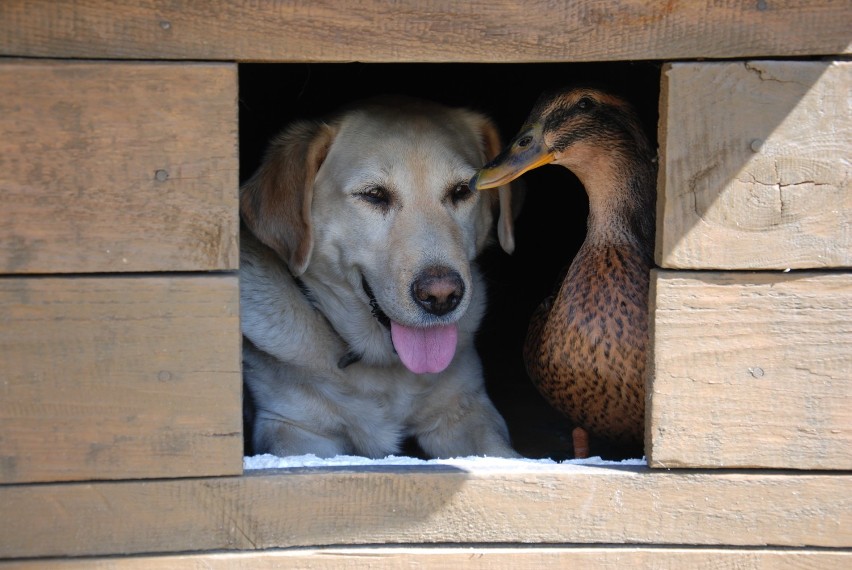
(443, 558)
(425, 505)
(116, 167)
(418, 30)
(755, 170)
(751, 370)
(124, 377)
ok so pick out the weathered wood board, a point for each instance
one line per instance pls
(755, 165)
(750, 370)
(423, 505)
(117, 167)
(119, 377)
(423, 30)
(453, 558)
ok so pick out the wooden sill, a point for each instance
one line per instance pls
(428, 505)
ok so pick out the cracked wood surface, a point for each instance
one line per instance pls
(755, 166)
(750, 370)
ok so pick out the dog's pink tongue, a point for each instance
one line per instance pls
(425, 350)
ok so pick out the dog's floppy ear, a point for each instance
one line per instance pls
(492, 145)
(275, 203)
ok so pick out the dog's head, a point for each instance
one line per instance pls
(373, 211)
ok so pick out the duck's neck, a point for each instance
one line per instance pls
(621, 192)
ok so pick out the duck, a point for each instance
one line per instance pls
(586, 346)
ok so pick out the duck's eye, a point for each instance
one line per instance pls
(525, 141)
(376, 196)
(585, 103)
(460, 192)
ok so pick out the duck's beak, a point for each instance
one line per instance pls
(526, 151)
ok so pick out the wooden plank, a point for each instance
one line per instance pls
(755, 170)
(427, 505)
(751, 370)
(118, 377)
(443, 558)
(423, 30)
(116, 167)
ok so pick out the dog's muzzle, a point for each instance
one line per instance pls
(425, 349)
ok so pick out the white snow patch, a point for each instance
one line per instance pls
(501, 464)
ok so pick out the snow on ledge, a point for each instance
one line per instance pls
(479, 464)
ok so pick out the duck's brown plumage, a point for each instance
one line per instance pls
(586, 346)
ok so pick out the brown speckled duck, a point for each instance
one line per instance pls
(585, 349)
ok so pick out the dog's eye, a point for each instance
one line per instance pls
(460, 191)
(376, 195)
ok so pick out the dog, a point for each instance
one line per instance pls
(359, 291)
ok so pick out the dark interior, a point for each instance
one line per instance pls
(549, 229)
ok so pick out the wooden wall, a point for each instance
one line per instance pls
(119, 320)
(753, 368)
(119, 335)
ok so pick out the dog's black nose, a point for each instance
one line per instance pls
(438, 290)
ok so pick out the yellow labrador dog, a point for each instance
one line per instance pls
(359, 293)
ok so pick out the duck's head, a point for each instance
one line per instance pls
(580, 128)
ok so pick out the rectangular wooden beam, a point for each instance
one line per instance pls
(750, 370)
(423, 30)
(521, 557)
(119, 377)
(755, 171)
(430, 504)
(117, 167)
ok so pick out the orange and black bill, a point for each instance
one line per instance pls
(526, 152)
